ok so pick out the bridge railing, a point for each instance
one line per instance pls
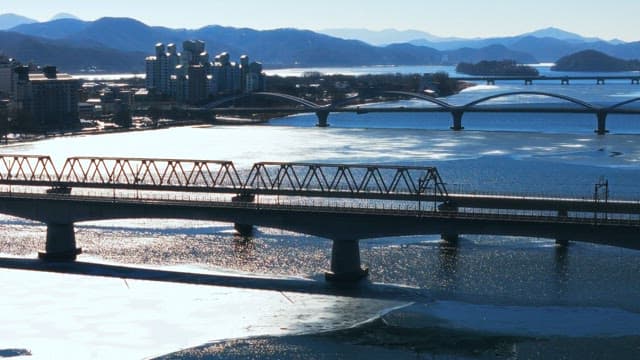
(377, 208)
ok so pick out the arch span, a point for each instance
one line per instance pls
(293, 99)
(626, 102)
(430, 99)
(570, 99)
(442, 104)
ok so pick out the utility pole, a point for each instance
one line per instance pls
(600, 193)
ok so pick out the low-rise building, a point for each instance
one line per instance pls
(48, 98)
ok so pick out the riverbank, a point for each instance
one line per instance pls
(25, 138)
(229, 120)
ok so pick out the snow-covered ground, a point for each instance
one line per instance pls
(64, 316)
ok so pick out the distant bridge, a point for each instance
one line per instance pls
(564, 80)
(377, 201)
(574, 106)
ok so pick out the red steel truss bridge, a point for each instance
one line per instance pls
(387, 182)
(600, 220)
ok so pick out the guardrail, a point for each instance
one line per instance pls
(326, 205)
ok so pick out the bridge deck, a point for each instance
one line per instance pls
(414, 184)
(338, 223)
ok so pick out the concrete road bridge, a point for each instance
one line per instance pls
(564, 80)
(568, 105)
(346, 203)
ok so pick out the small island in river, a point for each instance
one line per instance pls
(593, 61)
(497, 68)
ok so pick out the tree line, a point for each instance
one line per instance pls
(497, 68)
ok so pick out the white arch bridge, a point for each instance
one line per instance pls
(569, 105)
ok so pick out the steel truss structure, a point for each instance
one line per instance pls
(304, 179)
(27, 168)
(154, 172)
(341, 178)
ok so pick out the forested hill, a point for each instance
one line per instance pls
(591, 60)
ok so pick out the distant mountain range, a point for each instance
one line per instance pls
(416, 37)
(8, 21)
(546, 45)
(385, 37)
(120, 44)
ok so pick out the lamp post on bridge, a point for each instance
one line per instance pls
(419, 192)
(135, 182)
(601, 185)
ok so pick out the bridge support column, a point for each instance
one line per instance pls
(562, 240)
(61, 243)
(323, 117)
(491, 82)
(457, 120)
(345, 262)
(602, 123)
(244, 230)
(451, 238)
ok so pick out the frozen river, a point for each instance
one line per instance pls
(488, 296)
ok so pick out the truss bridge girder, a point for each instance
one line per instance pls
(274, 178)
(151, 172)
(27, 168)
(347, 178)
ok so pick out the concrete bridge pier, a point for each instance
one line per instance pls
(457, 120)
(561, 240)
(602, 123)
(323, 117)
(450, 238)
(243, 230)
(345, 262)
(61, 243)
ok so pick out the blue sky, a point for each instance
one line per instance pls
(462, 18)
